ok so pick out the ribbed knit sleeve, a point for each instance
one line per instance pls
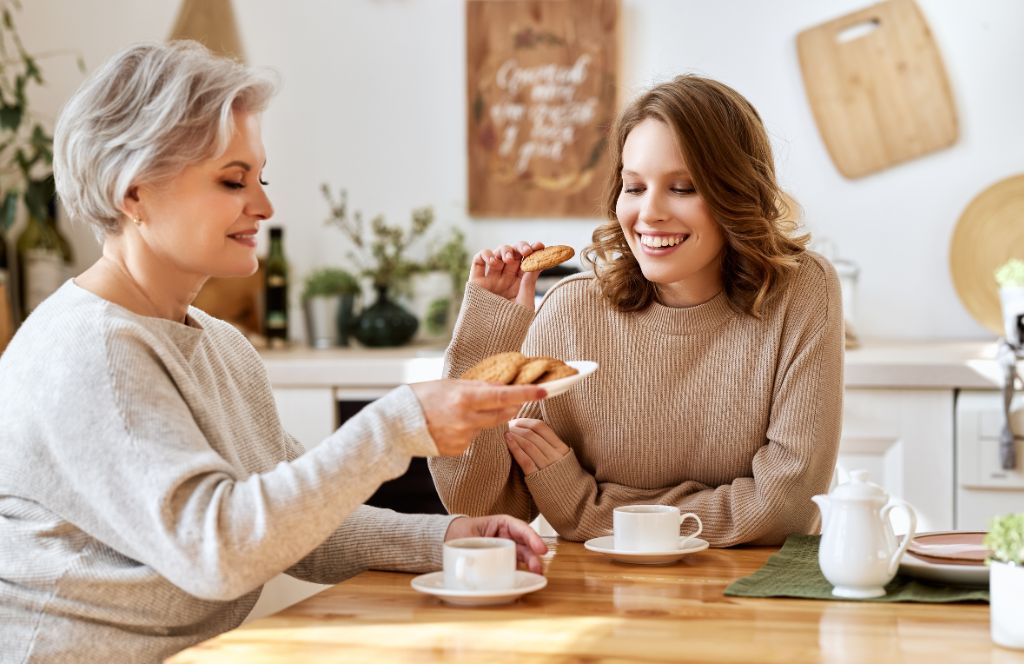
(379, 539)
(484, 480)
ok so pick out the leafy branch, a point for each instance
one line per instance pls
(381, 254)
(26, 147)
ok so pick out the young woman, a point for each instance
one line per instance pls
(147, 490)
(719, 340)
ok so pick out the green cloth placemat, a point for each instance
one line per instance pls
(794, 572)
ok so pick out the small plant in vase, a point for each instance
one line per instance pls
(1005, 539)
(381, 257)
(328, 298)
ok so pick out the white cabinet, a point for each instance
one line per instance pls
(308, 414)
(904, 439)
(984, 487)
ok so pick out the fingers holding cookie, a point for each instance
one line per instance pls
(498, 271)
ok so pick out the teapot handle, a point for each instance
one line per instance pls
(912, 517)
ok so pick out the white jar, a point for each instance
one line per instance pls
(1006, 603)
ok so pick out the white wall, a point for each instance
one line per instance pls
(374, 100)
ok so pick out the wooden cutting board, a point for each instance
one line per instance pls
(989, 232)
(877, 87)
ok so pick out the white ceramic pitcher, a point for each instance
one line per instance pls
(859, 553)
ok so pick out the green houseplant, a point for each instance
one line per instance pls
(328, 281)
(381, 256)
(26, 167)
(451, 258)
(1005, 540)
(328, 298)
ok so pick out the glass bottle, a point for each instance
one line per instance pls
(44, 260)
(275, 292)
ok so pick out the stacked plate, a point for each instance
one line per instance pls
(954, 557)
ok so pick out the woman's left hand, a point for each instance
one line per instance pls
(533, 444)
(529, 546)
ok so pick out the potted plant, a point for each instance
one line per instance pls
(438, 286)
(1005, 539)
(1010, 277)
(381, 256)
(328, 297)
(26, 167)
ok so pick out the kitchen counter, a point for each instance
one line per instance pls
(877, 364)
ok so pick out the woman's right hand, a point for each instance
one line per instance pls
(498, 271)
(457, 410)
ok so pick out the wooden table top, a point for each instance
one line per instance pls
(596, 610)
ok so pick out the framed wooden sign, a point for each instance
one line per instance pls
(541, 86)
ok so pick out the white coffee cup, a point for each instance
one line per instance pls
(651, 528)
(480, 563)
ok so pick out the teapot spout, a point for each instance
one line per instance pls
(822, 501)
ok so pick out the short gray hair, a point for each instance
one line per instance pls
(152, 110)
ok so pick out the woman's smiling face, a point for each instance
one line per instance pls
(667, 224)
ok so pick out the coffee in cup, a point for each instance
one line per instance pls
(480, 563)
(651, 528)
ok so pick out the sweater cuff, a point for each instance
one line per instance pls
(403, 408)
(559, 489)
(487, 324)
(435, 528)
(404, 542)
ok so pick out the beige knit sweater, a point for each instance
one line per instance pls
(733, 418)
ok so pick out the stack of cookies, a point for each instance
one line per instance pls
(517, 369)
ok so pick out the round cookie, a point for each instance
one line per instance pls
(501, 368)
(534, 368)
(547, 257)
(558, 370)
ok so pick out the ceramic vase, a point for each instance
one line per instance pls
(385, 323)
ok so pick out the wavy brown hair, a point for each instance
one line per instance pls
(727, 152)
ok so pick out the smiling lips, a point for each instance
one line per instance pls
(247, 238)
(662, 241)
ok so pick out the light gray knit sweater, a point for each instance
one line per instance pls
(147, 490)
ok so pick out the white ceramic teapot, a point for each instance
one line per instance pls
(859, 553)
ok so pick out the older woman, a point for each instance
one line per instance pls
(147, 489)
(720, 342)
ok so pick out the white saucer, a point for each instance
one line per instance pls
(433, 584)
(606, 545)
(958, 575)
(556, 387)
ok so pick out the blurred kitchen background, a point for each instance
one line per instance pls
(373, 101)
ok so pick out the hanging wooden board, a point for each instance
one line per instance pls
(877, 87)
(541, 86)
(988, 233)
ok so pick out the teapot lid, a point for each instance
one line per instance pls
(859, 488)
